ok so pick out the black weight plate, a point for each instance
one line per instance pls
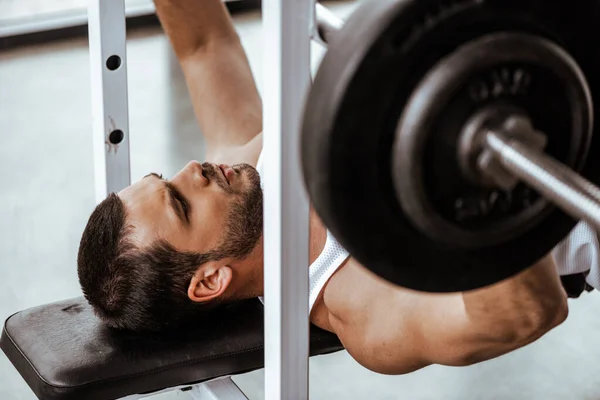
(509, 73)
(352, 110)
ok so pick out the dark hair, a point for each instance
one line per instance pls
(133, 288)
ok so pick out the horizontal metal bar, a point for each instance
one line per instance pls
(219, 389)
(327, 24)
(222, 388)
(10, 27)
(553, 180)
(61, 20)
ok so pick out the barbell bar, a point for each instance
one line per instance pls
(556, 182)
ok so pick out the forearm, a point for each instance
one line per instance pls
(217, 72)
(192, 24)
(226, 101)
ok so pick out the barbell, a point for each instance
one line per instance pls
(450, 144)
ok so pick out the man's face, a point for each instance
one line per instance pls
(198, 210)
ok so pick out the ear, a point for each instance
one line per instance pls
(210, 281)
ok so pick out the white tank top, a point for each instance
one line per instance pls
(330, 259)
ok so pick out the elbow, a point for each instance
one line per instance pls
(519, 329)
(546, 316)
(535, 320)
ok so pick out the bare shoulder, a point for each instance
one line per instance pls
(375, 320)
(358, 298)
(231, 155)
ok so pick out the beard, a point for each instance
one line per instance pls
(244, 226)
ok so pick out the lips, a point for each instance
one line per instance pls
(226, 171)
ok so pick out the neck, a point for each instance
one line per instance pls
(249, 273)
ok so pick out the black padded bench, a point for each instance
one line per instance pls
(64, 352)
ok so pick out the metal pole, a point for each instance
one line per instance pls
(108, 75)
(553, 180)
(287, 25)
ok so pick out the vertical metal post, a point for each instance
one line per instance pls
(108, 74)
(287, 31)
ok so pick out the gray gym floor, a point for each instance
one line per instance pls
(47, 194)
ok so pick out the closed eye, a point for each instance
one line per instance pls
(177, 201)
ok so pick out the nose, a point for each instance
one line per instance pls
(195, 168)
(192, 173)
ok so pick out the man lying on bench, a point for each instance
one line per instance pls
(164, 252)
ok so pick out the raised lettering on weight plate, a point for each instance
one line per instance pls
(496, 203)
(500, 82)
(469, 208)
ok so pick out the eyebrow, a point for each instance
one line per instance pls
(175, 198)
(154, 174)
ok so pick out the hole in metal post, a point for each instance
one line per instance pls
(113, 62)
(116, 136)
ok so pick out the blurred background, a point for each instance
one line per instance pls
(47, 194)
